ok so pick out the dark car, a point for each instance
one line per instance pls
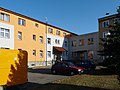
(66, 68)
(87, 64)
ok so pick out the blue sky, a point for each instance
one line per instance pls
(78, 16)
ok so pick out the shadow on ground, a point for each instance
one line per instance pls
(40, 70)
(101, 71)
(51, 86)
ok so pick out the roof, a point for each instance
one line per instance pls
(109, 17)
(9, 11)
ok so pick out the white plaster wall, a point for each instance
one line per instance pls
(4, 42)
(50, 46)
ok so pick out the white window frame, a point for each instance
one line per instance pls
(4, 33)
(57, 32)
(49, 40)
(21, 22)
(49, 54)
(64, 34)
(5, 17)
(41, 39)
(74, 43)
(41, 53)
(56, 41)
(105, 23)
(19, 35)
(50, 30)
(105, 34)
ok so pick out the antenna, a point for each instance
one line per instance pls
(46, 20)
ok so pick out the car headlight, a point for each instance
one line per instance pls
(79, 70)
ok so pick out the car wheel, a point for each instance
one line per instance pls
(72, 73)
(54, 71)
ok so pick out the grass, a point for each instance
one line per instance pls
(95, 81)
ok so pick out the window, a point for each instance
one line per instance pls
(19, 35)
(105, 34)
(4, 33)
(74, 43)
(65, 44)
(58, 41)
(117, 20)
(57, 32)
(41, 39)
(55, 41)
(50, 30)
(65, 53)
(105, 23)
(49, 54)
(34, 52)
(21, 21)
(90, 41)
(81, 42)
(74, 54)
(41, 53)
(34, 37)
(36, 25)
(49, 40)
(4, 17)
(64, 34)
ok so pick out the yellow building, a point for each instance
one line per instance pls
(18, 31)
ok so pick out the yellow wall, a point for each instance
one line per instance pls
(27, 43)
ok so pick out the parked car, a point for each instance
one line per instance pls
(66, 68)
(87, 64)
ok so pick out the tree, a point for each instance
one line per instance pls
(111, 45)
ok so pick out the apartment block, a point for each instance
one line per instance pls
(84, 47)
(43, 42)
(104, 28)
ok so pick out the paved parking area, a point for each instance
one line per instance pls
(43, 76)
(40, 76)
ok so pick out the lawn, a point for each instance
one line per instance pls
(92, 81)
(100, 79)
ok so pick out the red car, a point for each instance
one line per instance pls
(66, 68)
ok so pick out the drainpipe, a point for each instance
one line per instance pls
(46, 38)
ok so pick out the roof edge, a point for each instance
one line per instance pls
(9, 11)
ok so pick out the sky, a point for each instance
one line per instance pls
(77, 16)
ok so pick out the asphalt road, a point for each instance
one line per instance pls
(38, 77)
(43, 76)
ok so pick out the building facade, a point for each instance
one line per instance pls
(104, 28)
(39, 39)
(84, 47)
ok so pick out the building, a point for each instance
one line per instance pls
(84, 47)
(104, 28)
(43, 42)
